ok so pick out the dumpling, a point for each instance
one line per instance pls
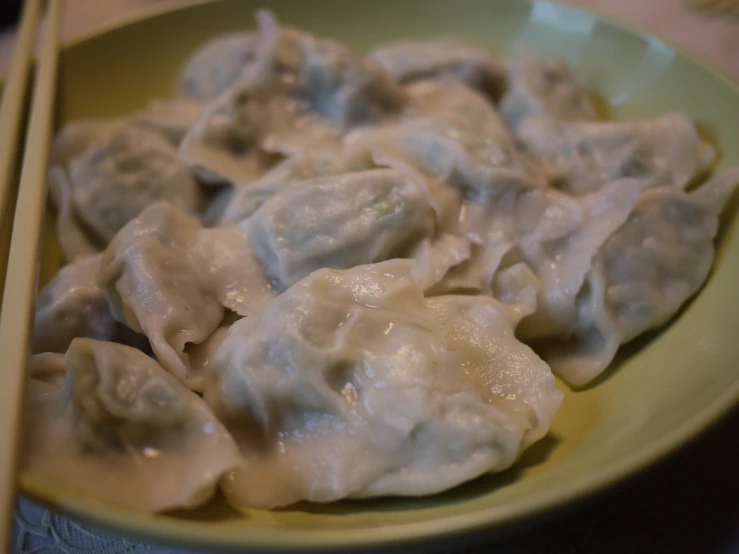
(335, 82)
(546, 87)
(153, 287)
(582, 156)
(114, 181)
(108, 422)
(244, 201)
(451, 59)
(300, 95)
(643, 274)
(519, 218)
(111, 172)
(348, 385)
(168, 278)
(72, 141)
(451, 133)
(217, 65)
(562, 264)
(224, 147)
(72, 305)
(339, 222)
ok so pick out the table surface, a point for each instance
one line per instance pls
(687, 504)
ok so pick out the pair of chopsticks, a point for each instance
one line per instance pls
(21, 272)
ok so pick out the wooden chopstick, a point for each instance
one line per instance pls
(11, 111)
(16, 317)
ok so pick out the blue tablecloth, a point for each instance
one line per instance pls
(688, 504)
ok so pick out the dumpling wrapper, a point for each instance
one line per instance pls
(544, 87)
(340, 222)
(166, 277)
(643, 274)
(583, 156)
(347, 385)
(444, 59)
(105, 420)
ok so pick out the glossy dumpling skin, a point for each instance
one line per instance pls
(217, 65)
(108, 173)
(106, 421)
(582, 156)
(300, 94)
(168, 278)
(643, 274)
(72, 305)
(451, 59)
(544, 87)
(339, 222)
(347, 385)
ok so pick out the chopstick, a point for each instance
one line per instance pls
(16, 317)
(11, 111)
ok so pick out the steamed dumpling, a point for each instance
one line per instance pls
(153, 287)
(106, 421)
(446, 59)
(244, 201)
(339, 222)
(451, 133)
(113, 182)
(72, 305)
(335, 82)
(546, 87)
(107, 174)
(582, 156)
(168, 278)
(562, 264)
(643, 274)
(300, 95)
(348, 385)
(217, 65)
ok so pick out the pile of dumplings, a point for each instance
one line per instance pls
(317, 275)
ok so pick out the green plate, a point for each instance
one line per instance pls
(660, 393)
